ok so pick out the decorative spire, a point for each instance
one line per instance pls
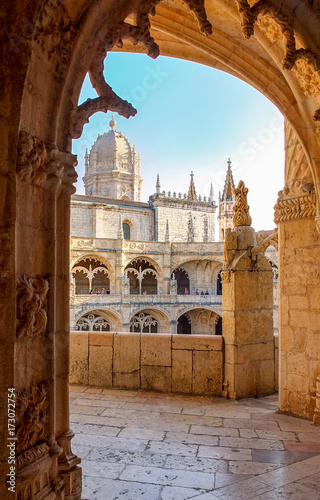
(229, 187)
(86, 159)
(167, 236)
(192, 195)
(211, 194)
(241, 208)
(112, 123)
(120, 229)
(158, 186)
(190, 230)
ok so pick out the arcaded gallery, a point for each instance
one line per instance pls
(155, 347)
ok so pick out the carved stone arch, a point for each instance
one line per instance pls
(112, 317)
(159, 315)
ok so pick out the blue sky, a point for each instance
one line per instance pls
(192, 117)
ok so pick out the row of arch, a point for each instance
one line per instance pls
(91, 275)
(193, 321)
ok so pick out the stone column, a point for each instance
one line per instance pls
(299, 299)
(44, 457)
(247, 308)
(166, 268)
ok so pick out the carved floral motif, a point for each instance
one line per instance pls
(31, 306)
(44, 165)
(31, 416)
(241, 208)
(29, 456)
(307, 78)
(55, 33)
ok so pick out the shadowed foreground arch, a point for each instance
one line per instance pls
(47, 49)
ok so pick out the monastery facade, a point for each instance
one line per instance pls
(145, 267)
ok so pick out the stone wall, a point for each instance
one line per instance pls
(179, 221)
(154, 362)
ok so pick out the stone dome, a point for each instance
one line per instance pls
(111, 151)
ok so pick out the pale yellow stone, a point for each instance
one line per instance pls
(156, 378)
(101, 338)
(79, 352)
(182, 371)
(100, 366)
(208, 343)
(156, 350)
(126, 354)
(207, 372)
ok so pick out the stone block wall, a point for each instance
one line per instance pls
(152, 362)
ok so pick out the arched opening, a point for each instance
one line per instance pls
(91, 276)
(219, 284)
(184, 325)
(92, 322)
(144, 323)
(143, 278)
(126, 230)
(183, 281)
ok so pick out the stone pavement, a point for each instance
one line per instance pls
(139, 445)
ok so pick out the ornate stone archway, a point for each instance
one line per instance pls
(47, 48)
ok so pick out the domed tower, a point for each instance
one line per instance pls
(112, 169)
(226, 203)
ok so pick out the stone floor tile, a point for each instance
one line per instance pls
(291, 491)
(92, 419)
(281, 457)
(193, 411)
(81, 451)
(309, 436)
(214, 431)
(163, 426)
(109, 489)
(244, 467)
(222, 480)
(120, 392)
(183, 450)
(224, 412)
(94, 390)
(310, 446)
(178, 493)
(101, 430)
(312, 482)
(224, 453)
(102, 469)
(77, 388)
(145, 434)
(110, 442)
(244, 490)
(191, 419)
(248, 433)
(89, 397)
(205, 496)
(86, 409)
(99, 402)
(195, 464)
(188, 438)
(260, 444)
(287, 474)
(315, 460)
(126, 457)
(273, 434)
(168, 477)
(250, 424)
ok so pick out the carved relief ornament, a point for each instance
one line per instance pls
(55, 33)
(31, 306)
(44, 164)
(295, 208)
(31, 416)
(307, 74)
(241, 208)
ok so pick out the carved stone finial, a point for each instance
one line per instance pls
(192, 195)
(112, 123)
(241, 208)
(158, 186)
